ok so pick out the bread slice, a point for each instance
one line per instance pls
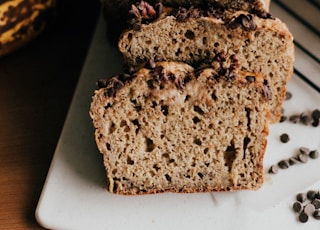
(262, 44)
(169, 128)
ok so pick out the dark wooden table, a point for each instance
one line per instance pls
(36, 87)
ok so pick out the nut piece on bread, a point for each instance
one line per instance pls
(170, 128)
(21, 21)
(262, 43)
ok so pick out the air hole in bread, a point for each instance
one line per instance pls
(150, 146)
(168, 178)
(187, 98)
(197, 141)
(246, 141)
(130, 161)
(198, 110)
(216, 44)
(196, 120)
(248, 111)
(107, 106)
(136, 123)
(129, 37)
(200, 175)
(214, 96)
(178, 52)
(114, 171)
(165, 110)
(189, 34)
(204, 40)
(112, 128)
(108, 146)
(156, 167)
(229, 156)
(206, 150)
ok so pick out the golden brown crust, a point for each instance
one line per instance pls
(21, 21)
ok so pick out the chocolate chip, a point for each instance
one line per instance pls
(273, 169)
(315, 114)
(288, 95)
(283, 118)
(304, 150)
(309, 209)
(316, 203)
(297, 206)
(316, 215)
(303, 158)
(311, 194)
(303, 218)
(315, 123)
(294, 118)
(283, 164)
(305, 118)
(293, 161)
(314, 154)
(284, 138)
(301, 197)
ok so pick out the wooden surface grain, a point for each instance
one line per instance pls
(36, 87)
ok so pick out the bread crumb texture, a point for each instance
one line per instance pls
(182, 131)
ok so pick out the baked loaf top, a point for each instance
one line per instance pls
(261, 43)
(117, 13)
(21, 21)
(170, 128)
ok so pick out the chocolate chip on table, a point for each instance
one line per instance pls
(316, 214)
(305, 118)
(297, 207)
(283, 164)
(315, 123)
(316, 203)
(315, 114)
(303, 157)
(303, 217)
(284, 138)
(314, 154)
(311, 194)
(283, 118)
(309, 209)
(273, 169)
(301, 197)
(288, 95)
(304, 150)
(294, 118)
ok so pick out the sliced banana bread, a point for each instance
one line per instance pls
(170, 128)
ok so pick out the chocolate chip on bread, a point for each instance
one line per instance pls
(171, 128)
(21, 21)
(261, 42)
(116, 11)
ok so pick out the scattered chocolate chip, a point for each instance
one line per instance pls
(301, 197)
(315, 114)
(316, 214)
(288, 95)
(283, 118)
(294, 118)
(297, 206)
(273, 169)
(304, 150)
(316, 203)
(284, 138)
(283, 164)
(303, 158)
(314, 154)
(309, 209)
(311, 194)
(303, 218)
(305, 118)
(293, 161)
(315, 123)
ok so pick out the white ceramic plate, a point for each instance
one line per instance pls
(74, 195)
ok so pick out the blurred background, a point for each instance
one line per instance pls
(36, 87)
